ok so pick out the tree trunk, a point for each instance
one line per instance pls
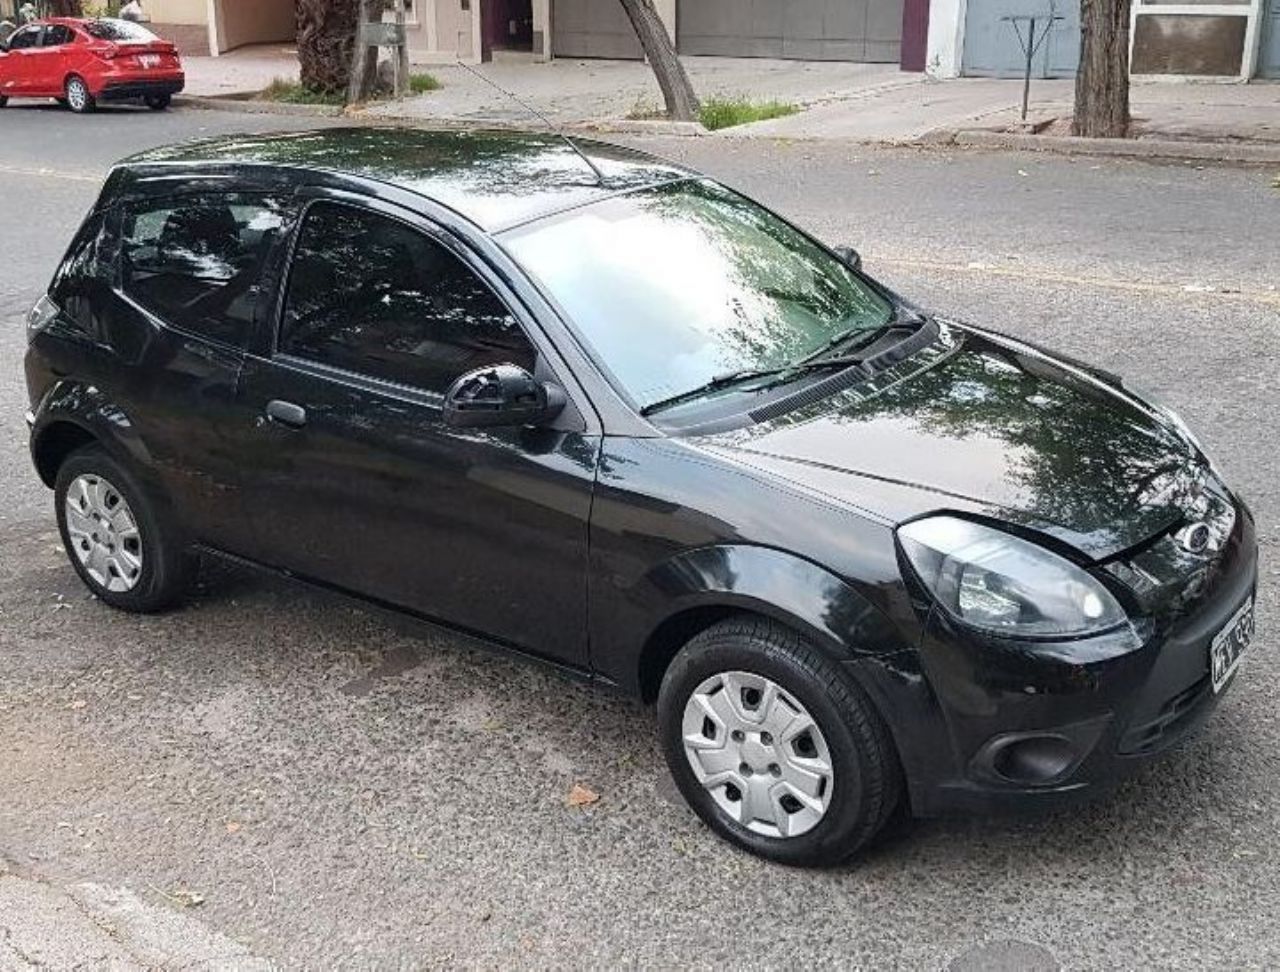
(326, 39)
(364, 65)
(1102, 82)
(677, 89)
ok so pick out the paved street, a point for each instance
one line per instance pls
(318, 786)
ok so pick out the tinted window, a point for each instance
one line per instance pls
(197, 261)
(371, 295)
(56, 35)
(27, 38)
(121, 31)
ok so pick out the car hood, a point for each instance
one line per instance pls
(983, 424)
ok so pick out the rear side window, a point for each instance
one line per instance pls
(371, 295)
(57, 35)
(197, 261)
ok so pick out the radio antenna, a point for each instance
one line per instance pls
(600, 177)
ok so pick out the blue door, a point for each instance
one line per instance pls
(991, 47)
(1269, 58)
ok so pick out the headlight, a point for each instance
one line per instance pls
(41, 316)
(1003, 584)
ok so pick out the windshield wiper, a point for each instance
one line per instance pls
(854, 339)
(738, 377)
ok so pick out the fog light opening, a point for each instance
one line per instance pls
(1033, 760)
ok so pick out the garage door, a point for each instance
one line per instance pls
(991, 47)
(814, 30)
(592, 28)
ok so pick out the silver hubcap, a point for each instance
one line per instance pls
(77, 96)
(759, 754)
(104, 533)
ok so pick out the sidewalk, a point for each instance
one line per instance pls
(249, 68)
(583, 92)
(875, 103)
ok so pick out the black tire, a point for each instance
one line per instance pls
(165, 568)
(4, 101)
(77, 95)
(866, 776)
(158, 102)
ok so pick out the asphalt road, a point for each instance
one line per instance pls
(342, 791)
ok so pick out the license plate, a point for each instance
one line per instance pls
(1229, 644)
(149, 60)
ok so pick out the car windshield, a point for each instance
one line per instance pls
(676, 285)
(120, 31)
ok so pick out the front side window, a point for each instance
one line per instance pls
(371, 295)
(196, 261)
(26, 39)
(679, 284)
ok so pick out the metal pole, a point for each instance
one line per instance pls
(1026, 80)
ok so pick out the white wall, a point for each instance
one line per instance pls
(256, 22)
(945, 46)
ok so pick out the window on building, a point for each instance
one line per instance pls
(370, 295)
(197, 261)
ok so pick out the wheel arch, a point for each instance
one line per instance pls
(73, 414)
(54, 442)
(716, 583)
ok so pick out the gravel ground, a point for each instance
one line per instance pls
(341, 789)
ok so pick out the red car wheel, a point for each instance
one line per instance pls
(79, 98)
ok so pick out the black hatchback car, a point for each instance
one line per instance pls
(598, 409)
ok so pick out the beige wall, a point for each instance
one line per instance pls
(177, 11)
(241, 22)
(443, 31)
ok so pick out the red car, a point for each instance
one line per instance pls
(82, 62)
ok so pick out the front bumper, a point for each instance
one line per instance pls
(1034, 726)
(130, 89)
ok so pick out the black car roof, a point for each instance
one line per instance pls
(496, 179)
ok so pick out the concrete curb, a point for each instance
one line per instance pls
(244, 104)
(1136, 148)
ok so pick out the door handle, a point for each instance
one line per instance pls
(286, 413)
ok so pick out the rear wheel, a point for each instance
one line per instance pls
(3, 101)
(774, 746)
(158, 102)
(79, 98)
(120, 541)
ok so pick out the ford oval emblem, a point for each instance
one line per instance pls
(1194, 537)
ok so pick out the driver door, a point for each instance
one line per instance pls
(20, 64)
(350, 473)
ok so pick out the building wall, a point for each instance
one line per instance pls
(257, 22)
(178, 11)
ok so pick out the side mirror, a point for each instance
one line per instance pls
(851, 257)
(500, 395)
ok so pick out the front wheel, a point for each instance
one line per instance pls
(79, 98)
(158, 102)
(4, 101)
(120, 541)
(774, 746)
